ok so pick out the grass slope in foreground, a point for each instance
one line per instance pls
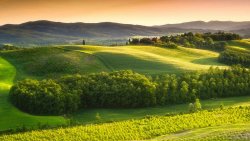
(11, 117)
(147, 128)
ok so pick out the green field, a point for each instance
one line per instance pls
(147, 128)
(53, 61)
(47, 62)
(17, 118)
(151, 60)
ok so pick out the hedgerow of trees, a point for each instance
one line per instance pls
(212, 41)
(126, 89)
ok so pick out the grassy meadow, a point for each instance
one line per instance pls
(54, 61)
(150, 59)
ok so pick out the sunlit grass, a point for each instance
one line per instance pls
(152, 60)
(243, 44)
(5, 85)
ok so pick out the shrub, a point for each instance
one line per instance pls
(191, 107)
(197, 105)
(194, 107)
(170, 45)
(97, 116)
(167, 45)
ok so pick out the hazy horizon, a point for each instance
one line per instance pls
(122, 23)
(140, 12)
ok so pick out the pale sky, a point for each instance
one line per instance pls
(143, 12)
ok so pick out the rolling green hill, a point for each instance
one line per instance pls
(51, 61)
(60, 60)
(47, 62)
(11, 117)
(151, 60)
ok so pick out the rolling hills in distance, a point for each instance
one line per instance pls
(48, 32)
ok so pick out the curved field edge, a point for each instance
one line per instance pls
(11, 117)
(227, 132)
(147, 128)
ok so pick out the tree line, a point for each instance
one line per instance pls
(212, 41)
(126, 89)
(69, 93)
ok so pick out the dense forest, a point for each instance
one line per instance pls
(212, 41)
(126, 89)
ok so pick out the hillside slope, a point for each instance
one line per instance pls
(152, 60)
(53, 61)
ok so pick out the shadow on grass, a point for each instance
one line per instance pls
(207, 61)
(120, 61)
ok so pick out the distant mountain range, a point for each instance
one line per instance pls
(46, 32)
(212, 25)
